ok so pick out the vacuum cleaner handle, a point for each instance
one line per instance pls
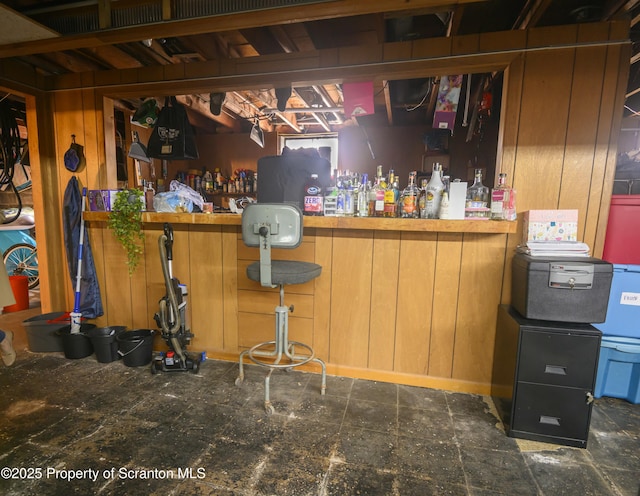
(168, 232)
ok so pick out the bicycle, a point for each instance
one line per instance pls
(18, 248)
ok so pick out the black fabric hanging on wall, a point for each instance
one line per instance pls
(172, 137)
(90, 299)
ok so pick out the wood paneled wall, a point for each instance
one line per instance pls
(411, 307)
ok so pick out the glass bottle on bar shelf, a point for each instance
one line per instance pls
(434, 190)
(477, 204)
(391, 195)
(422, 198)
(340, 196)
(377, 194)
(503, 200)
(408, 203)
(363, 196)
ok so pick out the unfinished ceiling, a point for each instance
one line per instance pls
(61, 37)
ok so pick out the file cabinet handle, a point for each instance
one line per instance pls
(555, 369)
(545, 419)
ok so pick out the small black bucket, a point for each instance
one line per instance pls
(104, 342)
(136, 347)
(78, 344)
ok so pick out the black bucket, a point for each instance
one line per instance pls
(78, 344)
(136, 347)
(104, 342)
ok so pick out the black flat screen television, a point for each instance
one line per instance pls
(282, 178)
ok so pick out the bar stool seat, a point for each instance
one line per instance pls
(278, 225)
(286, 272)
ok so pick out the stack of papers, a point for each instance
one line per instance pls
(555, 249)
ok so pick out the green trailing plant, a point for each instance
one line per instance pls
(125, 219)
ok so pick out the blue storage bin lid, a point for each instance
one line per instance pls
(627, 345)
(626, 268)
(623, 310)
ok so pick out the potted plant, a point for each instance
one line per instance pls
(125, 219)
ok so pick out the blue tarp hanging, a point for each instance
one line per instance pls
(90, 300)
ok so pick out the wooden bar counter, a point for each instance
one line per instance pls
(399, 300)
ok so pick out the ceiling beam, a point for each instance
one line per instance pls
(104, 14)
(612, 8)
(200, 104)
(531, 13)
(211, 24)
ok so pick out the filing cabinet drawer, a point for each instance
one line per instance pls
(560, 359)
(552, 411)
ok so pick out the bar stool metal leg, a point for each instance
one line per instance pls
(281, 347)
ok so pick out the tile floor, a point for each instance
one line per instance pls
(186, 434)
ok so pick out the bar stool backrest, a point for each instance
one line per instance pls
(267, 225)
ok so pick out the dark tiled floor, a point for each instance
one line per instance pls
(361, 438)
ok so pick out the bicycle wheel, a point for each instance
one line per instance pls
(22, 260)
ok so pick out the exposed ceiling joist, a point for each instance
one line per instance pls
(17, 28)
(613, 8)
(212, 24)
(531, 13)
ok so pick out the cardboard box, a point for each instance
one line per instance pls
(101, 200)
(109, 198)
(550, 225)
(457, 199)
(94, 198)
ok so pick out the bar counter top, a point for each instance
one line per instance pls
(367, 223)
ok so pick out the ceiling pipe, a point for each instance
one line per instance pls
(293, 125)
(320, 118)
(328, 101)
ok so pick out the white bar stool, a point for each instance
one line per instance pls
(277, 225)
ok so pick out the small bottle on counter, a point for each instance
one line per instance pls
(503, 200)
(434, 190)
(408, 203)
(363, 196)
(313, 199)
(477, 204)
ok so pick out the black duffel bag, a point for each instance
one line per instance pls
(172, 137)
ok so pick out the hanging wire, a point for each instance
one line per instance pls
(426, 95)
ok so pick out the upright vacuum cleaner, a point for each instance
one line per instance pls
(171, 316)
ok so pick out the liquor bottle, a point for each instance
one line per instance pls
(422, 199)
(363, 196)
(444, 206)
(503, 200)
(377, 193)
(408, 203)
(313, 196)
(477, 204)
(435, 186)
(350, 198)
(391, 195)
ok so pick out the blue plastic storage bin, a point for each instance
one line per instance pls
(623, 311)
(619, 369)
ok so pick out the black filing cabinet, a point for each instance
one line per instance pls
(550, 367)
